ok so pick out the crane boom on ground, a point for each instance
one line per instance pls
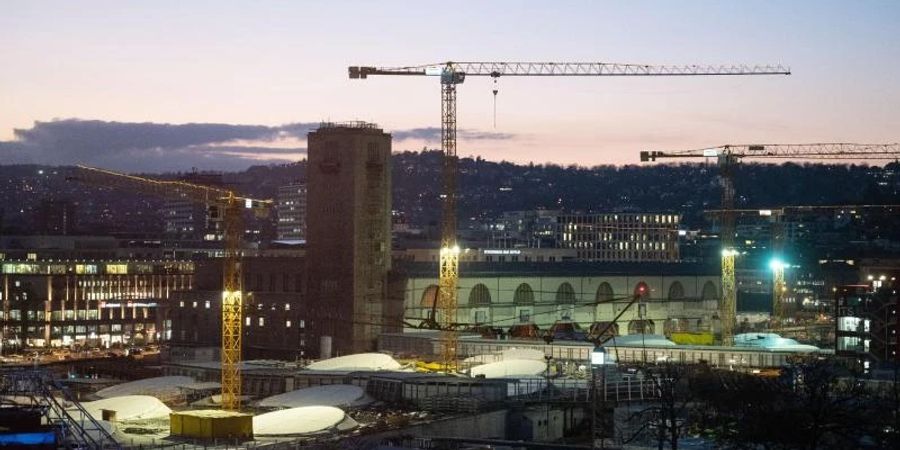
(230, 207)
(453, 73)
(727, 157)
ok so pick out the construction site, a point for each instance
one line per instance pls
(545, 356)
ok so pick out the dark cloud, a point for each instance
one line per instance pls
(433, 134)
(148, 147)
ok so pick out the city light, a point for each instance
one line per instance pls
(729, 252)
(777, 264)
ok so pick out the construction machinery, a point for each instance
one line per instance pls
(727, 157)
(452, 74)
(224, 205)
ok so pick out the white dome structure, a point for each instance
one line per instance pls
(511, 368)
(299, 421)
(632, 340)
(159, 387)
(128, 407)
(345, 395)
(359, 361)
(523, 353)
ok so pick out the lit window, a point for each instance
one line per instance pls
(195, 304)
(262, 321)
(207, 304)
(247, 321)
(302, 323)
(181, 304)
(287, 323)
(287, 307)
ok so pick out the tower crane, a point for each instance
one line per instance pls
(727, 157)
(230, 208)
(452, 74)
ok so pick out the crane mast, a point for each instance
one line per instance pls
(453, 73)
(232, 207)
(728, 157)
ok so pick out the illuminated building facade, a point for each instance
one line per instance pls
(291, 208)
(866, 318)
(621, 237)
(89, 303)
(677, 296)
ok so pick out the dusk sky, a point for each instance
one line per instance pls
(122, 77)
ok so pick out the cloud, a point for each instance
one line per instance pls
(152, 146)
(149, 147)
(433, 134)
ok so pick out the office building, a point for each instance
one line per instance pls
(273, 322)
(621, 237)
(291, 210)
(189, 220)
(89, 303)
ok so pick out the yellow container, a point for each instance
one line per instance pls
(688, 338)
(212, 424)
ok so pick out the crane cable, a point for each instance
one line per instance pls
(495, 90)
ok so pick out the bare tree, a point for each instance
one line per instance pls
(668, 414)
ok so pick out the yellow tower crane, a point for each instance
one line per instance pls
(454, 73)
(727, 157)
(230, 206)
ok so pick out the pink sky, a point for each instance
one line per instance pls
(272, 63)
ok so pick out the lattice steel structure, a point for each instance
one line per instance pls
(454, 73)
(779, 289)
(231, 206)
(727, 157)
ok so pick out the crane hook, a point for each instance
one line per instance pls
(496, 89)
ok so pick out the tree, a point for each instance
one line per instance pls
(669, 414)
(816, 404)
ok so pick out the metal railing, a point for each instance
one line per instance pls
(70, 421)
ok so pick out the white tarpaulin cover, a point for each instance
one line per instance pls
(297, 421)
(771, 341)
(511, 368)
(359, 361)
(649, 340)
(159, 387)
(128, 407)
(328, 395)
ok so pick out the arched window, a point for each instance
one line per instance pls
(676, 291)
(604, 292)
(641, 327)
(565, 294)
(524, 295)
(709, 291)
(479, 295)
(429, 297)
(642, 290)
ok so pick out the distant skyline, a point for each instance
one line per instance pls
(114, 83)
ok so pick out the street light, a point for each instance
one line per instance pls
(598, 368)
